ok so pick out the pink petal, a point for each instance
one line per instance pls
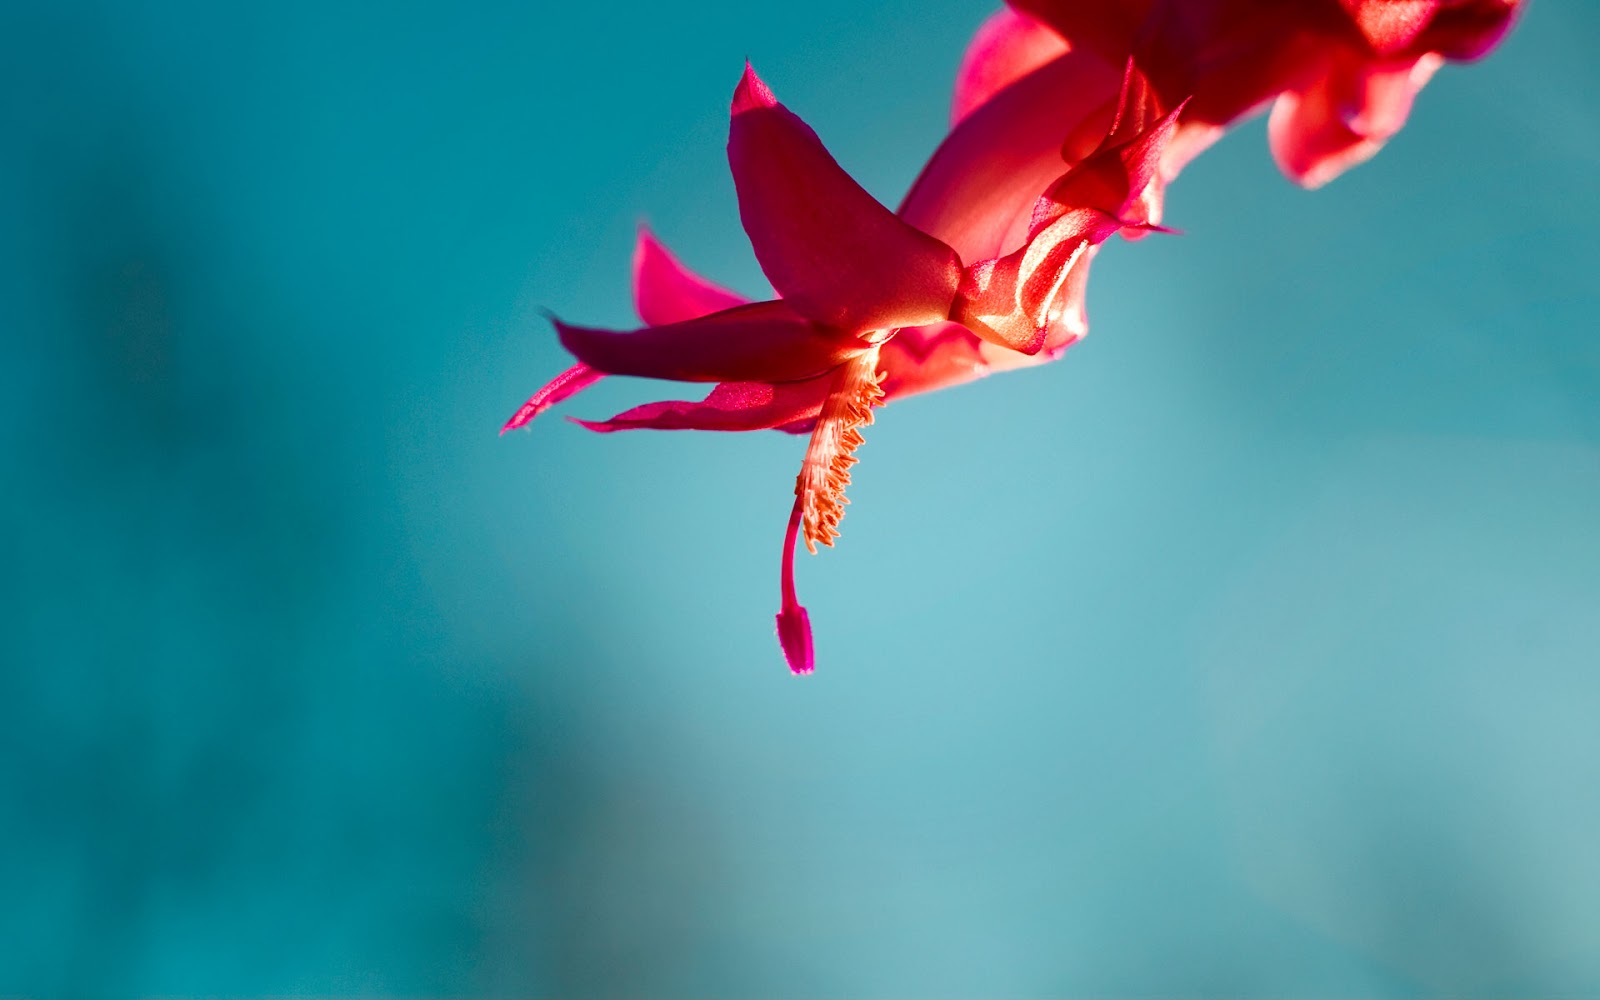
(1232, 56)
(761, 342)
(731, 406)
(829, 248)
(564, 386)
(1465, 31)
(1346, 116)
(1390, 25)
(924, 358)
(1108, 27)
(664, 291)
(1014, 301)
(1121, 178)
(1007, 47)
(978, 190)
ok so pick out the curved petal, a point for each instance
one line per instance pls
(564, 386)
(924, 358)
(664, 291)
(1466, 31)
(1346, 116)
(1108, 27)
(1122, 178)
(762, 342)
(978, 190)
(731, 406)
(1390, 25)
(1016, 300)
(1230, 57)
(829, 248)
(1007, 47)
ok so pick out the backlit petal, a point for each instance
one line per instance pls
(1007, 47)
(1346, 116)
(564, 386)
(1108, 27)
(978, 190)
(762, 342)
(731, 406)
(664, 291)
(924, 358)
(1466, 31)
(1121, 178)
(829, 248)
(1014, 301)
(1390, 25)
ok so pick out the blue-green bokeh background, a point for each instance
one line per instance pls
(1250, 650)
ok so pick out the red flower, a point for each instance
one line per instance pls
(1342, 73)
(866, 300)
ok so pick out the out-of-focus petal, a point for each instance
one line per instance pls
(762, 342)
(564, 386)
(1346, 117)
(1390, 25)
(664, 291)
(978, 190)
(1231, 57)
(731, 406)
(830, 249)
(1008, 46)
(1465, 31)
(1108, 27)
(1191, 139)
(1014, 301)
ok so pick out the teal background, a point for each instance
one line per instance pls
(1251, 650)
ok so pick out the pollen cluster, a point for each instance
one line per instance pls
(826, 470)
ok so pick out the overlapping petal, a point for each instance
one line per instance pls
(833, 253)
(1110, 27)
(731, 406)
(1123, 177)
(761, 342)
(664, 291)
(1013, 301)
(564, 386)
(1007, 47)
(977, 191)
(1345, 117)
(1233, 57)
(1468, 29)
(1390, 26)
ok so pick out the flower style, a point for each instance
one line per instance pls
(870, 305)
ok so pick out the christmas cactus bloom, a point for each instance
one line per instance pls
(1340, 74)
(870, 306)
(1359, 90)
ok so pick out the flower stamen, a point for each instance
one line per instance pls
(826, 470)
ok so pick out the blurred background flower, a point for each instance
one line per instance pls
(1250, 650)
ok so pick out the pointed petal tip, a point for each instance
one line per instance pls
(752, 94)
(794, 635)
(564, 386)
